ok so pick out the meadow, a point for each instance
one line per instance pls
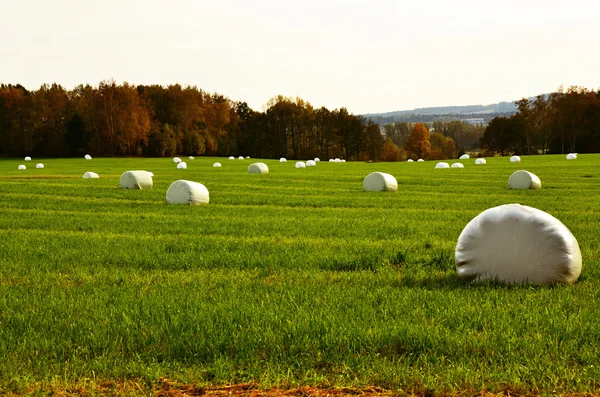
(296, 277)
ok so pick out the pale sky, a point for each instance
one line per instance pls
(368, 56)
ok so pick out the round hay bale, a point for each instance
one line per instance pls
(524, 180)
(27, 158)
(331, 160)
(282, 160)
(410, 161)
(514, 243)
(39, 165)
(21, 167)
(87, 157)
(247, 157)
(464, 157)
(217, 165)
(191, 157)
(311, 163)
(176, 160)
(337, 160)
(572, 156)
(90, 175)
(258, 168)
(241, 158)
(182, 166)
(187, 192)
(300, 164)
(420, 160)
(317, 159)
(442, 165)
(136, 180)
(457, 165)
(380, 182)
(480, 161)
(231, 158)
(515, 159)
(342, 161)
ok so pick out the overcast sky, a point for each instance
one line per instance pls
(368, 56)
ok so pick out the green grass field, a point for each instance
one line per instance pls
(296, 277)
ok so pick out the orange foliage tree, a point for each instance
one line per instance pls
(391, 151)
(417, 143)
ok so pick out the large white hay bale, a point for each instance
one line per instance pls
(241, 158)
(90, 175)
(572, 156)
(457, 165)
(516, 244)
(187, 192)
(182, 166)
(87, 157)
(337, 160)
(39, 165)
(282, 160)
(524, 180)
(480, 161)
(442, 165)
(300, 164)
(380, 182)
(464, 157)
(217, 165)
(176, 160)
(515, 159)
(258, 168)
(420, 160)
(311, 163)
(317, 159)
(410, 161)
(21, 167)
(27, 158)
(231, 158)
(136, 180)
(191, 157)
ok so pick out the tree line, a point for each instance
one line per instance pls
(561, 122)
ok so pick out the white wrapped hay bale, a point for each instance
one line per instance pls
(524, 180)
(217, 165)
(420, 160)
(182, 165)
(317, 159)
(187, 192)
(331, 160)
(27, 158)
(241, 158)
(191, 157)
(517, 244)
(572, 156)
(311, 163)
(442, 165)
(247, 157)
(258, 168)
(231, 158)
(300, 164)
(410, 161)
(282, 160)
(176, 160)
(21, 167)
(480, 161)
(150, 173)
(136, 180)
(39, 165)
(464, 157)
(342, 161)
(380, 182)
(337, 160)
(90, 175)
(87, 157)
(457, 165)
(515, 159)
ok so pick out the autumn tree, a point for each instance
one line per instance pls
(391, 151)
(442, 147)
(417, 144)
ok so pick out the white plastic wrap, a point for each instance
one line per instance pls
(231, 158)
(39, 165)
(317, 159)
(480, 161)
(464, 157)
(524, 180)
(136, 180)
(457, 165)
(187, 192)
(311, 163)
(191, 157)
(282, 160)
(241, 158)
(300, 164)
(176, 160)
(90, 175)
(27, 158)
(21, 167)
(572, 156)
(409, 160)
(87, 157)
(515, 159)
(182, 166)
(516, 244)
(337, 160)
(442, 165)
(380, 182)
(420, 160)
(258, 168)
(217, 165)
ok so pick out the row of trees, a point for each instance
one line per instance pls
(561, 122)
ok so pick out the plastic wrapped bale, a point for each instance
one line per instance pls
(136, 180)
(90, 175)
(420, 160)
(515, 159)
(87, 157)
(380, 182)
(311, 163)
(39, 165)
(258, 168)
(187, 192)
(457, 165)
(572, 156)
(27, 158)
(300, 164)
(247, 157)
(331, 160)
(514, 243)
(342, 161)
(337, 160)
(176, 160)
(410, 161)
(182, 166)
(480, 161)
(241, 158)
(21, 167)
(217, 165)
(524, 180)
(282, 160)
(317, 159)
(442, 165)
(231, 158)
(191, 157)
(464, 157)
(150, 173)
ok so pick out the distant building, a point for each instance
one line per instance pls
(475, 121)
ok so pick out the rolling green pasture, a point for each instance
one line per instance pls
(289, 278)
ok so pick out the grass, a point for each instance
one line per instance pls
(297, 277)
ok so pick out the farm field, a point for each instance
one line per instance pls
(296, 277)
